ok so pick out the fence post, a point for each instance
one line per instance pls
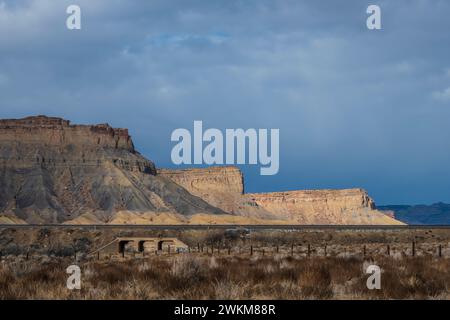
(325, 250)
(309, 250)
(263, 252)
(440, 251)
(251, 250)
(292, 249)
(413, 248)
(278, 248)
(229, 250)
(123, 253)
(388, 250)
(98, 255)
(364, 251)
(198, 247)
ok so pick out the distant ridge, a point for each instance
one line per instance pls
(435, 214)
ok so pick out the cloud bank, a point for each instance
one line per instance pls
(355, 108)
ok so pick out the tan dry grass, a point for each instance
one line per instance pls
(187, 276)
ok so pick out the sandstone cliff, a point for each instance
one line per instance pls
(223, 187)
(208, 180)
(346, 206)
(56, 132)
(220, 186)
(52, 172)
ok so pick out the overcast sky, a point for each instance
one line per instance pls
(355, 108)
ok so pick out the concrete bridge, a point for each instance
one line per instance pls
(142, 244)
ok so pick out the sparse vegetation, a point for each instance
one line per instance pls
(33, 265)
(196, 276)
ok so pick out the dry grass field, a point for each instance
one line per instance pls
(190, 276)
(260, 265)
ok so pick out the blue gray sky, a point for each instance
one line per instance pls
(355, 108)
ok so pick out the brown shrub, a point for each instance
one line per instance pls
(199, 276)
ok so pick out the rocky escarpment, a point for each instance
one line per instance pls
(52, 142)
(56, 132)
(207, 180)
(52, 172)
(223, 188)
(345, 206)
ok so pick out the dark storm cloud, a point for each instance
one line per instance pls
(355, 108)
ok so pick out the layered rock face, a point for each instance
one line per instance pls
(223, 187)
(207, 180)
(56, 132)
(346, 206)
(52, 172)
(55, 142)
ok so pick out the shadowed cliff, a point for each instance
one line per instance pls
(52, 172)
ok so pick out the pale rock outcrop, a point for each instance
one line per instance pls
(207, 180)
(223, 187)
(52, 172)
(345, 206)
